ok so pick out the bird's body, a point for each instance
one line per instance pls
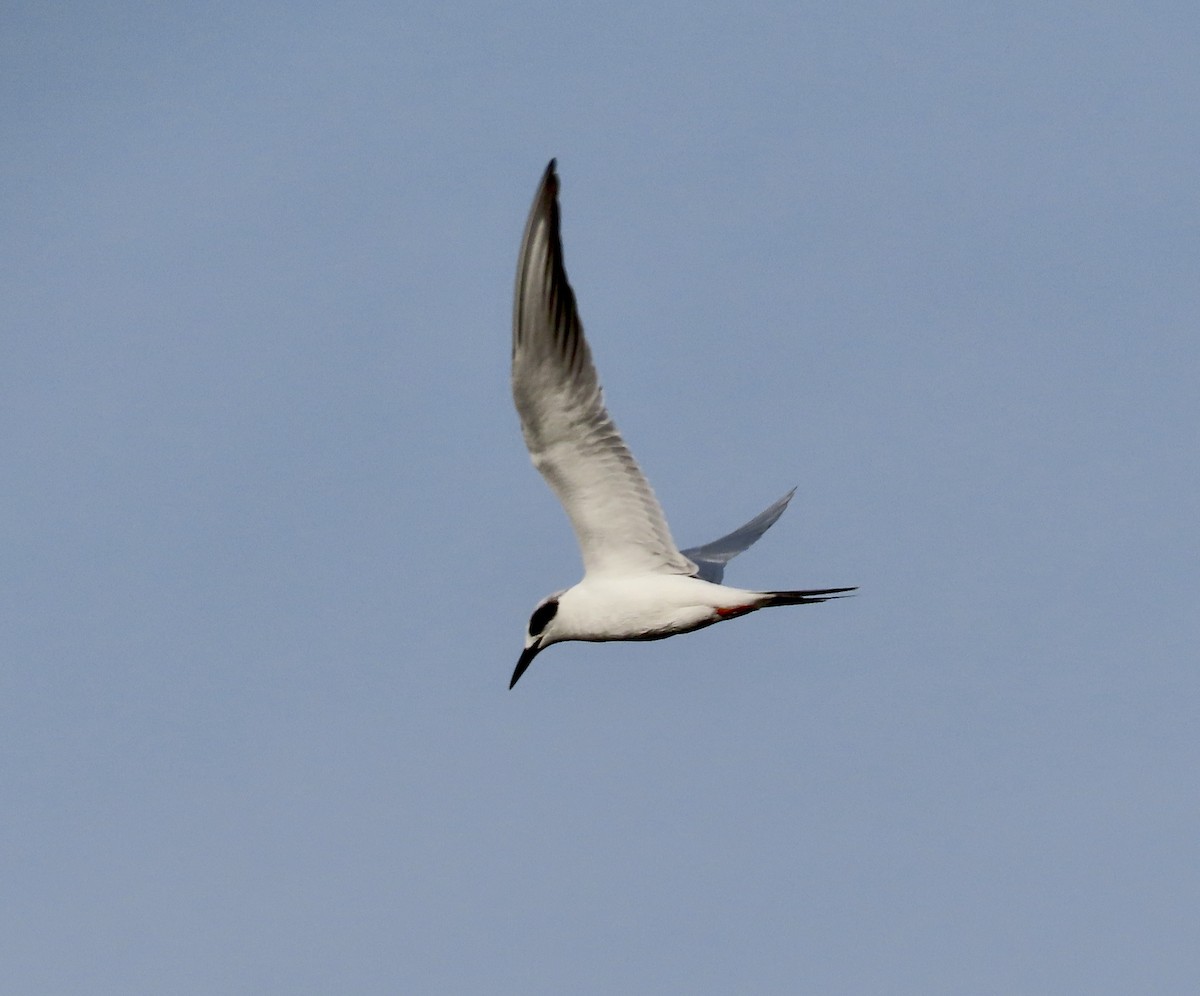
(638, 585)
(645, 606)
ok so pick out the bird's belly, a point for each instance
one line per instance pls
(637, 622)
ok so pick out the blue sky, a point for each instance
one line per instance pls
(272, 537)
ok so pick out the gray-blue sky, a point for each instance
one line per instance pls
(271, 536)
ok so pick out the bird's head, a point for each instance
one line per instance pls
(539, 634)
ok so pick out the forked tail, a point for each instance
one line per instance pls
(804, 597)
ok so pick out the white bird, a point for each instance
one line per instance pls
(637, 584)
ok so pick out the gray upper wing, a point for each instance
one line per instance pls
(711, 558)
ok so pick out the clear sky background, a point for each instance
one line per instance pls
(271, 537)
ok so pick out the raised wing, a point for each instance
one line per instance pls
(711, 558)
(618, 522)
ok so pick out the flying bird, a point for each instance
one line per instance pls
(637, 584)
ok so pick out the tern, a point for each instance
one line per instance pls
(637, 584)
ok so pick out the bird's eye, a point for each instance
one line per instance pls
(542, 615)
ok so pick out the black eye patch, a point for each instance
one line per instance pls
(542, 615)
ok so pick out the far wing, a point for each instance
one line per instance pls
(712, 557)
